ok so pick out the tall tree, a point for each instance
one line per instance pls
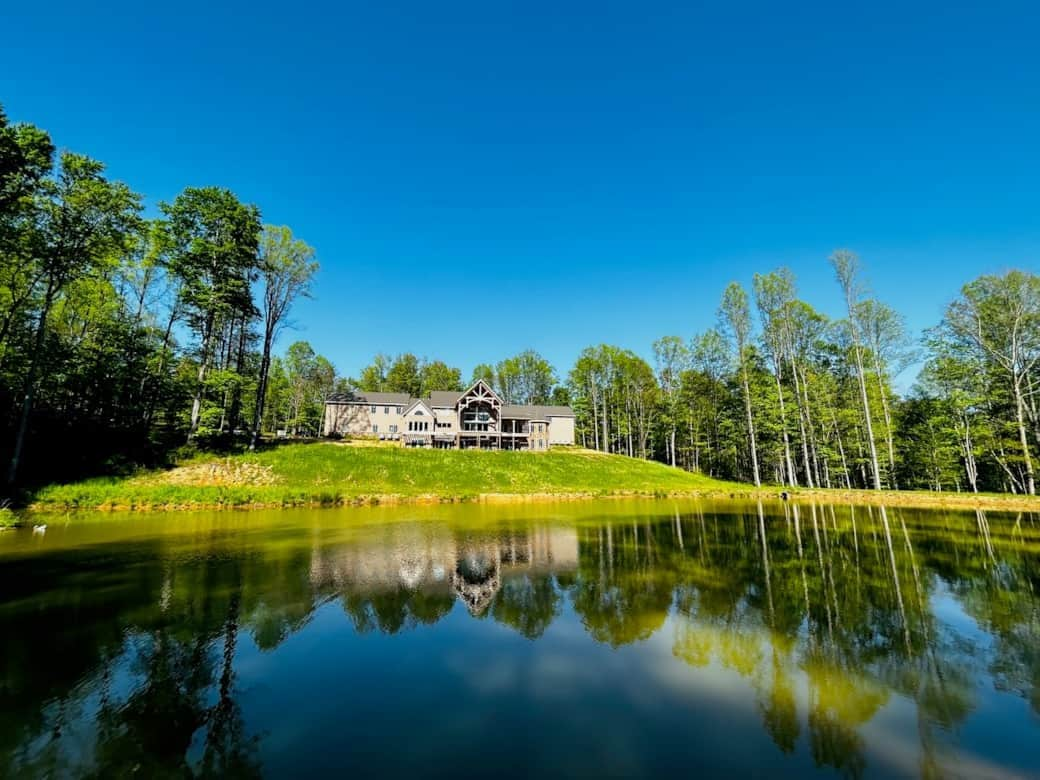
(405, 375)
(735, 319)
(438, 375)
(998, 318)
(26, 158)
(884, 332)
(82, 220)
(774, 293)
(483, 372)
(373, 376)
(214, 240)
(527, 378)
(287, 268)
(671, 358)
(846, 268)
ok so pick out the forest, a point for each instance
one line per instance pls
(125, 339)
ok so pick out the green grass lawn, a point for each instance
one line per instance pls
(334, 473)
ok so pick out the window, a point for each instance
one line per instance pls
(393, 429)
(386, 410)
(418, 411)
(375, 429)
(372, 409)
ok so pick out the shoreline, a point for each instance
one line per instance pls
(1010, 503)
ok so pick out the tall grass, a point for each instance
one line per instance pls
(327, 473)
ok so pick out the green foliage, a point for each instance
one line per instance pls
(527, 378)
(409, 374)
(93, 306)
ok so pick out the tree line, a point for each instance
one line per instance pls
(123, 336)
(526, 378)
(779, 392)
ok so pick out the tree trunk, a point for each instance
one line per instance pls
(802, 427)
(792, 480)
(261, 389)
(888, 422)
(1030, 483)
(751, 424)
(866, 409)
(30, 385)
(196, 405)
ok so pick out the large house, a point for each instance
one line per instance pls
(475, 418)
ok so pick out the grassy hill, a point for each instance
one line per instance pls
(338, 473)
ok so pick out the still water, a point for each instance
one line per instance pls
(605, 639)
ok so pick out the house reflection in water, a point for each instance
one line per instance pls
(472, 566)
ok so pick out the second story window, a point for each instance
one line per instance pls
(386, 410)
(372, 409)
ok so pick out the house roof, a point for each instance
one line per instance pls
(444, 397)
(359, 397)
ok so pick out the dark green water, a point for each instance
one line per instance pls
(590, 639)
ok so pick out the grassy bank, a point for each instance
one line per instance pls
(336, 473)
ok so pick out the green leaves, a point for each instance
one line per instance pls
(213, 240)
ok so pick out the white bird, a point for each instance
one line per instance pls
(39, 529)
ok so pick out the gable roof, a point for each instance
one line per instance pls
(480, 384)
(417, 402)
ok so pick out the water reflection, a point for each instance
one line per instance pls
(856, 639)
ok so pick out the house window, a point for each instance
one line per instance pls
(386, 410)
(375, 429)
(372, 409)
(418, 411)
(393, 429)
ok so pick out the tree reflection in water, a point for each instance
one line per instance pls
(828, 613)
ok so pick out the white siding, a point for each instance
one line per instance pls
(561, 430)
(359, 419)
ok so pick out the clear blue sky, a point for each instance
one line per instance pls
(640, 155)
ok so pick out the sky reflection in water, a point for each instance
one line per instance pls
(619, 639)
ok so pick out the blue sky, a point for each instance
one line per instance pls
(638, 155)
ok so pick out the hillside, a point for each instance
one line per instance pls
(339, 473)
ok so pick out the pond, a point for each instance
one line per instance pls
(600, 638)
